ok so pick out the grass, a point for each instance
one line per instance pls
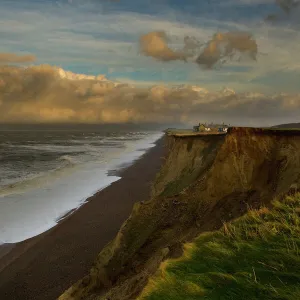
(191, 132)
(255, 257)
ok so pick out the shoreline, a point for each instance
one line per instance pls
(33, 205)
(91, 225)
(116, 171)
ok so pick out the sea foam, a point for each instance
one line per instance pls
(33, 211)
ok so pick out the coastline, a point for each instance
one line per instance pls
(44, 266)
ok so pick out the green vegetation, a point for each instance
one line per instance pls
(255, 257)
(274, 130)
(179, 131)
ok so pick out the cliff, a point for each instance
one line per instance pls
(253, 257)
(205, 181)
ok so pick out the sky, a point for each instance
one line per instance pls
(101, 37)
(104, 37)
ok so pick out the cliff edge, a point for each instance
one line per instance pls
(206, 180)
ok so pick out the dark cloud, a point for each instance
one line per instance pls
(272, 18)
(287, 5)
(290, 9)
(191, 45)
(14, 58)
(221, 48)
(38, 94)
(225, 46)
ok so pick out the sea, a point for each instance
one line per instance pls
(48, 171)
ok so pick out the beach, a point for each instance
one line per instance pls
(46, 265)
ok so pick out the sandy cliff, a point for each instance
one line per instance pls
(205, 181)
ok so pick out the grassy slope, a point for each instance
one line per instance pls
(255, 257)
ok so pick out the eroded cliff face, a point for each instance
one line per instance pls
(205, 181)
(188, 159)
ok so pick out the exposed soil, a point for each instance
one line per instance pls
(205, 181)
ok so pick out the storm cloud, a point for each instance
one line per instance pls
(290, 12)
(287, 5)
(38, 94)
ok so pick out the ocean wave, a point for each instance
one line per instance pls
(70, 160)
(40, 179)
(74, 153)
(52, 148)
(52, 194)
(49, 148)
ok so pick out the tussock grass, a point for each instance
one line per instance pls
(255, 257)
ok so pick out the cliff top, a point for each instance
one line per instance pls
(261, 130)
(203, 184)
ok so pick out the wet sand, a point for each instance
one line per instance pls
(43, 267)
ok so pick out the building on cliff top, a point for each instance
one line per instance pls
(223, 128)
(212, 127)
(201, 127)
